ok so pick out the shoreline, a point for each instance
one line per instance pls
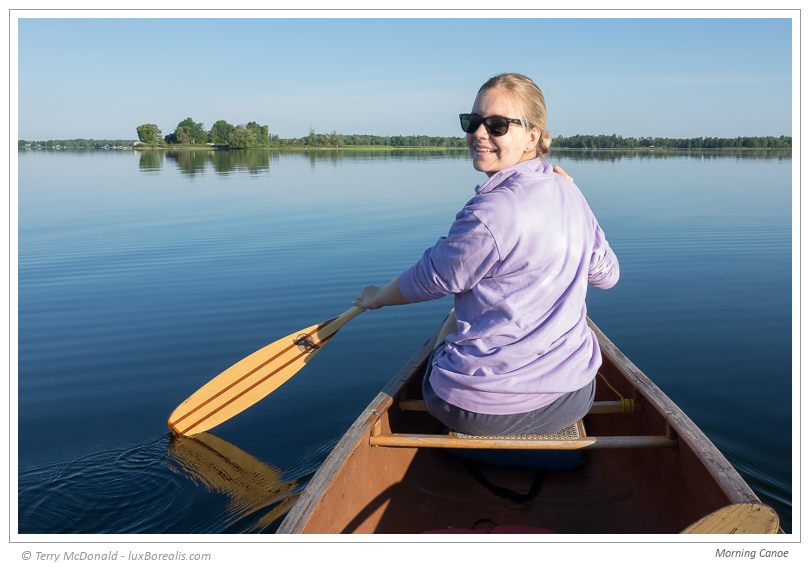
(196, 148)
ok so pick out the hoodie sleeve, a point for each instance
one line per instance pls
(604, 267)
(455, 264)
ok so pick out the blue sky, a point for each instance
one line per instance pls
(81, 78)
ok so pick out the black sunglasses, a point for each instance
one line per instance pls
(495, 125)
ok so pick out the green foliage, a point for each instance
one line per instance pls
(220, 132)
(241, 138)
(148, 133)
(190, 132)
(339, 140)
(261, 133)
(251, 135)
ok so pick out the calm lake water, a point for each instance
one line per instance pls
(143, 275)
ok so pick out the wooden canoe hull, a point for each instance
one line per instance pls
(362, 488)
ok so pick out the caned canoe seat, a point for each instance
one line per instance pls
(571, 438)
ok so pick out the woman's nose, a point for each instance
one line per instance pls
(481, 132)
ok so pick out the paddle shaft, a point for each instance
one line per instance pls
(346, 316)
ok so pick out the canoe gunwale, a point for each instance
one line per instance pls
(358, 433)
(687, 432)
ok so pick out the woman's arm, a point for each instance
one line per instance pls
(373, 297)
(604, 269)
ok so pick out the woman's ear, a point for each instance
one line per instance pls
(534, 138)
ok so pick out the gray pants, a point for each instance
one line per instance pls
(559, 414)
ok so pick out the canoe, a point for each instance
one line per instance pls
(644, 467)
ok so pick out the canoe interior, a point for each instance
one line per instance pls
(407, 490)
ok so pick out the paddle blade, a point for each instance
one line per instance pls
(253, 378)
(740, 518)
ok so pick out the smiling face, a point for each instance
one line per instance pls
(494, 153)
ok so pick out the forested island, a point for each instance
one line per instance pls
(225, 136)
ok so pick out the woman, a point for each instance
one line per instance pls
(518, 357)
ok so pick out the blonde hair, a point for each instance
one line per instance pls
(531, 102)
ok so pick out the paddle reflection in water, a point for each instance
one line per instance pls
(251, 485)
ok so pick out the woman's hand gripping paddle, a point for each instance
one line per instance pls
(253, 377)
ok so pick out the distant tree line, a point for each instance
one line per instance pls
(222, 133)
(253, 135)
(336, 140)
(76, 144)
(582, 141)
(598, 142)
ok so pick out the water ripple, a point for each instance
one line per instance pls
(155, 487)
(106, 492)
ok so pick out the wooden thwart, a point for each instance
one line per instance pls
(553, 441)
(447, 442)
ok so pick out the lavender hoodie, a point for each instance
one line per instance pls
(518, 259)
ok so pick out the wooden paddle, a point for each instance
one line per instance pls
(253, 377)
(746, 518)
